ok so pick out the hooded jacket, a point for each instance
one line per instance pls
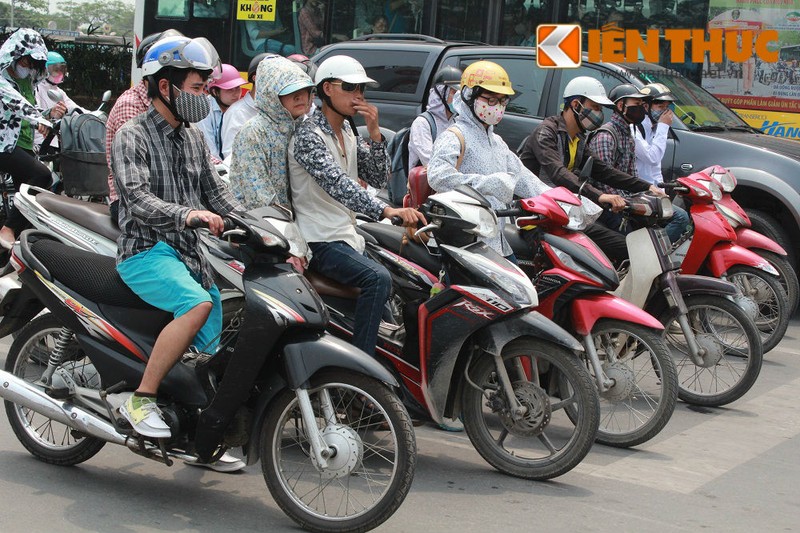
(21, 43)
(420, 141)
(488, 166)
(259, 174)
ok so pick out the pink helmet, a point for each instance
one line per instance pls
(230, 78)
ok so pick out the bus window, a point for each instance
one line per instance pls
(173, 9)
(461, 20)
(520, 18)
(278, 36)
(362, 17)
(211, 9)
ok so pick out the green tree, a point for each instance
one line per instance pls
(26, 13)
(93, 16)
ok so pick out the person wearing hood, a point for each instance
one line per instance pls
(22, 66)
(556, 151)
(440, 107)
(487, 164)
(51, 97)
(222, 94)
(242, 110)
(325, 158)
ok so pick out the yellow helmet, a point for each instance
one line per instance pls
(487, 75)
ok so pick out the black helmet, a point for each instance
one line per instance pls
(626, 90)
(148, 41)
(251, 70)
(450, 76)
(657, 91)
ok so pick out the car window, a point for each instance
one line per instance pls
(397, 71)
(527, 80)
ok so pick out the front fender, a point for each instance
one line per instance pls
(306, 357)
(587, 310)
(723, 256)
(274, 385)
(439, 383)
(689, 284)
(750, 239)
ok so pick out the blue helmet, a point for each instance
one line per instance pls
(54, 58)
(182, 52)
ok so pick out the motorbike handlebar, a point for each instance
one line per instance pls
(511, 212)
(195, 222)
(396, 221)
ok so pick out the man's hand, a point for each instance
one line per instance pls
(666, 117)
(214, 221)
(299, 263)
(370, 114)
(409, 215)
(656, 191)
(58, 110)
(615, 201)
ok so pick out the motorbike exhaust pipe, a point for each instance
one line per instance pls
(23, 393)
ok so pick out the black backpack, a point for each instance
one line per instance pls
(398, 155)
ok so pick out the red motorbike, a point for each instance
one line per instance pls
(711, 248)
(763, 245)
(624, 347)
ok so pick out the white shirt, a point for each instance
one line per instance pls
(235, 117)
(650, 150)
(45, 102)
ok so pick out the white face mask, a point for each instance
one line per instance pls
(489, 114)
(23, 72)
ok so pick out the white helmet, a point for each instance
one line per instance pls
(182, 52)
(588, 87)
(343, 68)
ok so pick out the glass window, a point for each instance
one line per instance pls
(395, 71)
(461, 20)
(278, 36)
(520, 18)
(211, 9)
(362, 17)
(174, 9)
(527, 80)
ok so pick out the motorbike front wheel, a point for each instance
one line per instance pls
(46, 439)
(641, 401)
(787, 278)
(731, 346)
(764, 289)
(370, 472)
(547, 380)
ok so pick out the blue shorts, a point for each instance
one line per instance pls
(160, 278)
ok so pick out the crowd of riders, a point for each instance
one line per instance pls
(167, 134)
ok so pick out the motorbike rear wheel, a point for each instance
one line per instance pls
(787, 279)
(733, 355)
(47, 440)
(766, 291)
(547, 441)
(370, 474)
(643, 397)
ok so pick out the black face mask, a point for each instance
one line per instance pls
(635, 114)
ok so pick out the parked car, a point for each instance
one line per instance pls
(704, 131)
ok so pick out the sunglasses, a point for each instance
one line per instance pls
(350, 87)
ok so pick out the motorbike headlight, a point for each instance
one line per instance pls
(570, 262)
(716, 191)
(577, 218)
(665, 207)
(271, 239)
(486, 225)
(728, 181)
(699, 191)
(506, 278)
(733, 217)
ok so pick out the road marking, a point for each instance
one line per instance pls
(708, 450)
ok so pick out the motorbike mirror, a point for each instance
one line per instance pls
(585, 174)
(106, 96)
(55, 94)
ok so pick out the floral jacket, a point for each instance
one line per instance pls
(14, 106)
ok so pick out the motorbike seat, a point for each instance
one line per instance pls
(91, 275)
(391, 238)
(514, 237)
(90, 215)
(325, 286)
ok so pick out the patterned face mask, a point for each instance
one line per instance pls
(191, 107)
(489, 114)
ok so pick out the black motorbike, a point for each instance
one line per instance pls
(336, 445)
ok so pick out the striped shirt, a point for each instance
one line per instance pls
(131, 103)
(622, 158)
(161, 173)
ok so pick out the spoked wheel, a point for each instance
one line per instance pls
(545, 441)
(764, 289)
(787, 278)
(730, 346)
(372, 466)
(645, 389)
(49, 441)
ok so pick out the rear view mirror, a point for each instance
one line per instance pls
(106, 96)
(585, 174)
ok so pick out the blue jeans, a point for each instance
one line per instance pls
(340, 262)
(675, 228)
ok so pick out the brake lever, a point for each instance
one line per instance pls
(429, 227)
(239, 232)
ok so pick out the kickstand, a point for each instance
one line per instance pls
(167, 460)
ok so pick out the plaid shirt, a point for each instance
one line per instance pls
(622, 158)
(161, 174)
(131, 103)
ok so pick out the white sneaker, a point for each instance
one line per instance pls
(145, 417)
(227, 463)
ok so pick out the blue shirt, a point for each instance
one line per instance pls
(211, 126)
